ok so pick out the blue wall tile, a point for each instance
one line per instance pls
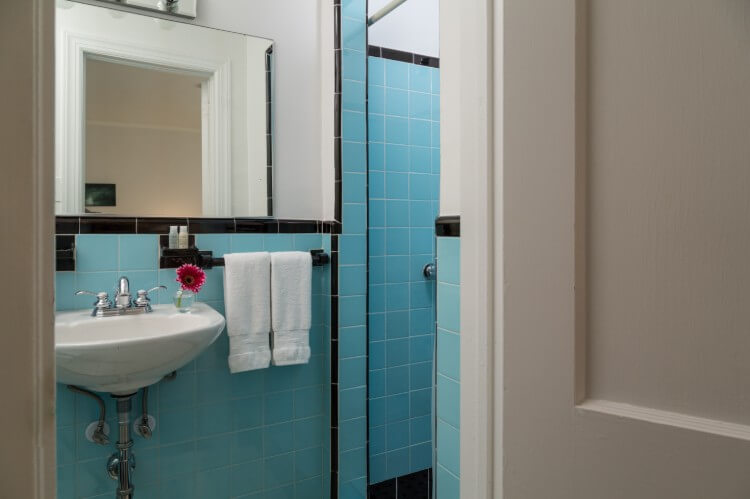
(396, 74)
(376, 127)
(448, 447)
(396, 158)
(96, 253)
(353, 342)
(353, 126)
(421, 160)
(241, 243)
(397, 130)
(420, 78)
(448, 362)
(353, 65)
(353, 96)
(376, 157)
(396, 102)
(353, 34)
(355, 188)
(354, 218)
(354, 9)
(376, 71)
(420, 105)
(139, 252)
(353, 157)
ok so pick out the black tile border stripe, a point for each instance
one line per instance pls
(160, 225)
(334, 266)
(269, 131)
(448, 226)
(400, 55)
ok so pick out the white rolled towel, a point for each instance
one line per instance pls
(291, 305)
(247, 300)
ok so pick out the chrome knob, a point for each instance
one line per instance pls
(102, 300)
(144, 300)
(429, 271)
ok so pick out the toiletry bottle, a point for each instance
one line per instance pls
(173, 244)
(183, 237)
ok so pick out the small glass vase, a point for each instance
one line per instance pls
(183, 300)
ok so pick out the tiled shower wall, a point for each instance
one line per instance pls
(256, 434)
(404, 172)
(448, 368)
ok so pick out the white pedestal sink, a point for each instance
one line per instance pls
(121, 354)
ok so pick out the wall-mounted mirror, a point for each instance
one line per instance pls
(160, 118)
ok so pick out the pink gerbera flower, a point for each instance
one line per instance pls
(190, 277)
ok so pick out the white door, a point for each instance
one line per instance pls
(626, 249)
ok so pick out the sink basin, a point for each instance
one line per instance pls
(124, 353)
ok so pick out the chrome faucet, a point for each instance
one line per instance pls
(123, 303)
(122, 296)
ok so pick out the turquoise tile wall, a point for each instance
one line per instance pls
(351, 426)
(448, 368)
(404, 170)
(255, 434)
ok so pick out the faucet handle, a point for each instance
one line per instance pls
(101, 295)
(143, 299)
(102, 300)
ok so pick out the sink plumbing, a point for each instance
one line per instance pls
(121, 464)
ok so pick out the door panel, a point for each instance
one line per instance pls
(669, 198)
(626, 241)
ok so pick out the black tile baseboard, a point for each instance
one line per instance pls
(412, 486)
(160, 225)
(402, 56)
(448, 226)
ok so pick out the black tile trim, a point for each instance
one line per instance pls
(402, 56)
(67, 225)
(448, 226)
(299, 226)
(269, 131)
(256, 226)
(160, 225)
(65, 252)
(211, 225)
(416, 485)
(334, 363)
(382, 490)
(108, 225)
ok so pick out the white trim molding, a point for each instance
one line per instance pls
(70, 150)
(469, 86)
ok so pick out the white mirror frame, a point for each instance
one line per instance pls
(70, 120)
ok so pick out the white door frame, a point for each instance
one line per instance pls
(73, 50)
(27, 351)
(475, 62)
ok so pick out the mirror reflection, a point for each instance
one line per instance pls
(160, 118)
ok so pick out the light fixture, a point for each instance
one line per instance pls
(179, 8)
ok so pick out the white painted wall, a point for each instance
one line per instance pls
(295, 28)
(451, 71)
(412, 27)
